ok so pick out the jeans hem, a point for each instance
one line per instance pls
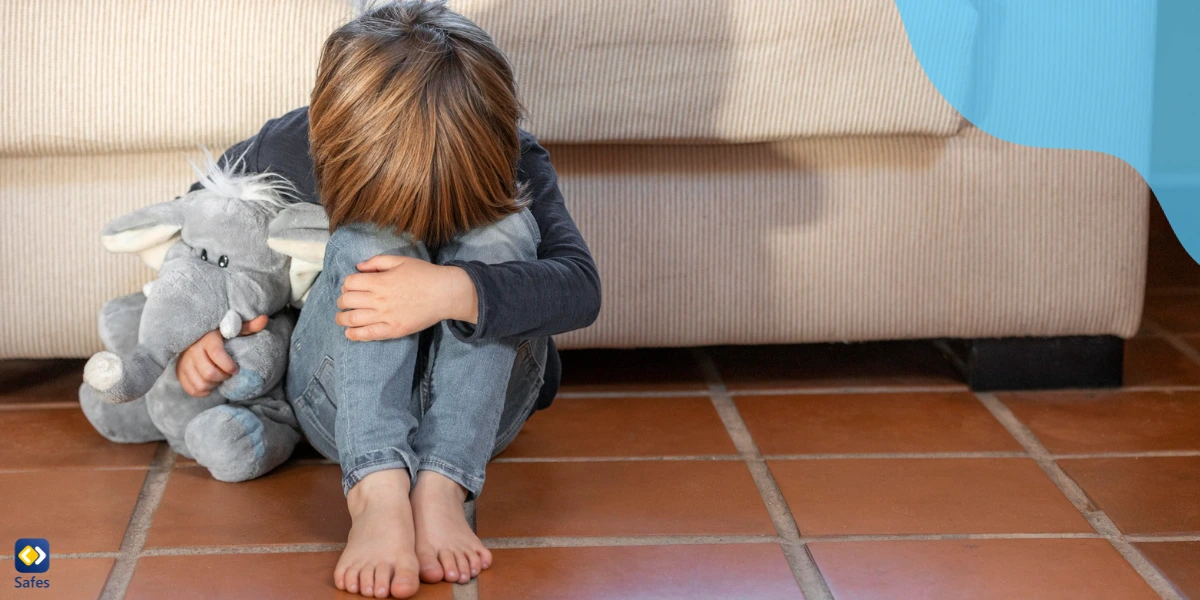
(473, 484)
(355, 469)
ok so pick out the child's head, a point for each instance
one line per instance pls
(413, 123)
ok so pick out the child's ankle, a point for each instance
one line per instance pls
(441, 486)
(389, 484)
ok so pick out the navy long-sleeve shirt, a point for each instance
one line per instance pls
(558, 292)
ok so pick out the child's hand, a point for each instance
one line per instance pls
(206, 364)
(397, 296)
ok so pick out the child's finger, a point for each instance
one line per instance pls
(220, 359)
(382, 262)
(358, 318)
(193, 384)
(351, 300)
(370, 333)
(256, 325)
(359, 282)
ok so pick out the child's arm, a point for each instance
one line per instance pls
(397, 296)
(558, 292)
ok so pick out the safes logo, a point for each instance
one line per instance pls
(32, 555)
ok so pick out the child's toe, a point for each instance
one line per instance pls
(430, 568)
(476, 563)
(464, 566)
(405, 584)
(382, 580)
(366, 581)
(339, 577)
(449, 565)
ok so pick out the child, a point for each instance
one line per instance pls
(424, 344)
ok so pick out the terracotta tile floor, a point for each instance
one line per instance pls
(803, 471)
(830, 471)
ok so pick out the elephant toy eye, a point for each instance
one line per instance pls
(223, 261)
(204, 255)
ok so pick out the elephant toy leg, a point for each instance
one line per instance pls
(172, 409)
(124, 423)
(128, 423)
(243, 440)
(120, 319)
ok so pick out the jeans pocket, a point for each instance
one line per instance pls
(316, 410)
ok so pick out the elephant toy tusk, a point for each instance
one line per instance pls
(231, 325)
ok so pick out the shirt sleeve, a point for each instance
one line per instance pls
(558, 292)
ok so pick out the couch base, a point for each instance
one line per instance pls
(1031, 363)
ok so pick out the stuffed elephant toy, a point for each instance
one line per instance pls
(230, 250)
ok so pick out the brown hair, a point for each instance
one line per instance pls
(413, 123)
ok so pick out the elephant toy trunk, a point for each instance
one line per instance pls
(172, 320)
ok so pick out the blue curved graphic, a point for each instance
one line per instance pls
(1114, 76)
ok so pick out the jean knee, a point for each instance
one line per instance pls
(357, 242)
(513, 238)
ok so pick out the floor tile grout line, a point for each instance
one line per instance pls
(508, 543)
(263, 549)
(956, 359)
(1174, 290)
(1142, 454)
(632, 393)
(300, 462)
(1147, 388)
(21, 406)
(573, 459)
(1078, 497)
(61, 469)
(139, 523)
(846, 456)
(466, 591)
(781, 391)
(1142, 539)
(895, 455)
(823, 391)
(470, 589)
(958, 388)
(804, 568)
(703, 393)
(512, 543)
(1174, 339)
(930, 537)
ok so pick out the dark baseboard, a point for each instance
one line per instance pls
(1038, 363)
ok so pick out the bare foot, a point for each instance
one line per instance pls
(379, 558)
(446, 547)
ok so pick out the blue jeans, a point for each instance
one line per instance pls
(429, 401)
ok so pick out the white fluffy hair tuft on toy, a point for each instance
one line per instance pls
(231, 181)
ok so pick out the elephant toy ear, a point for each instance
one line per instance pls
(301, 231)
(149, 231)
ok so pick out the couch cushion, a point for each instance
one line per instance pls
(806, 241)
(139, 75)
(856, 238)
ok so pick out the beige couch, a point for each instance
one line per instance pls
(746, 171)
